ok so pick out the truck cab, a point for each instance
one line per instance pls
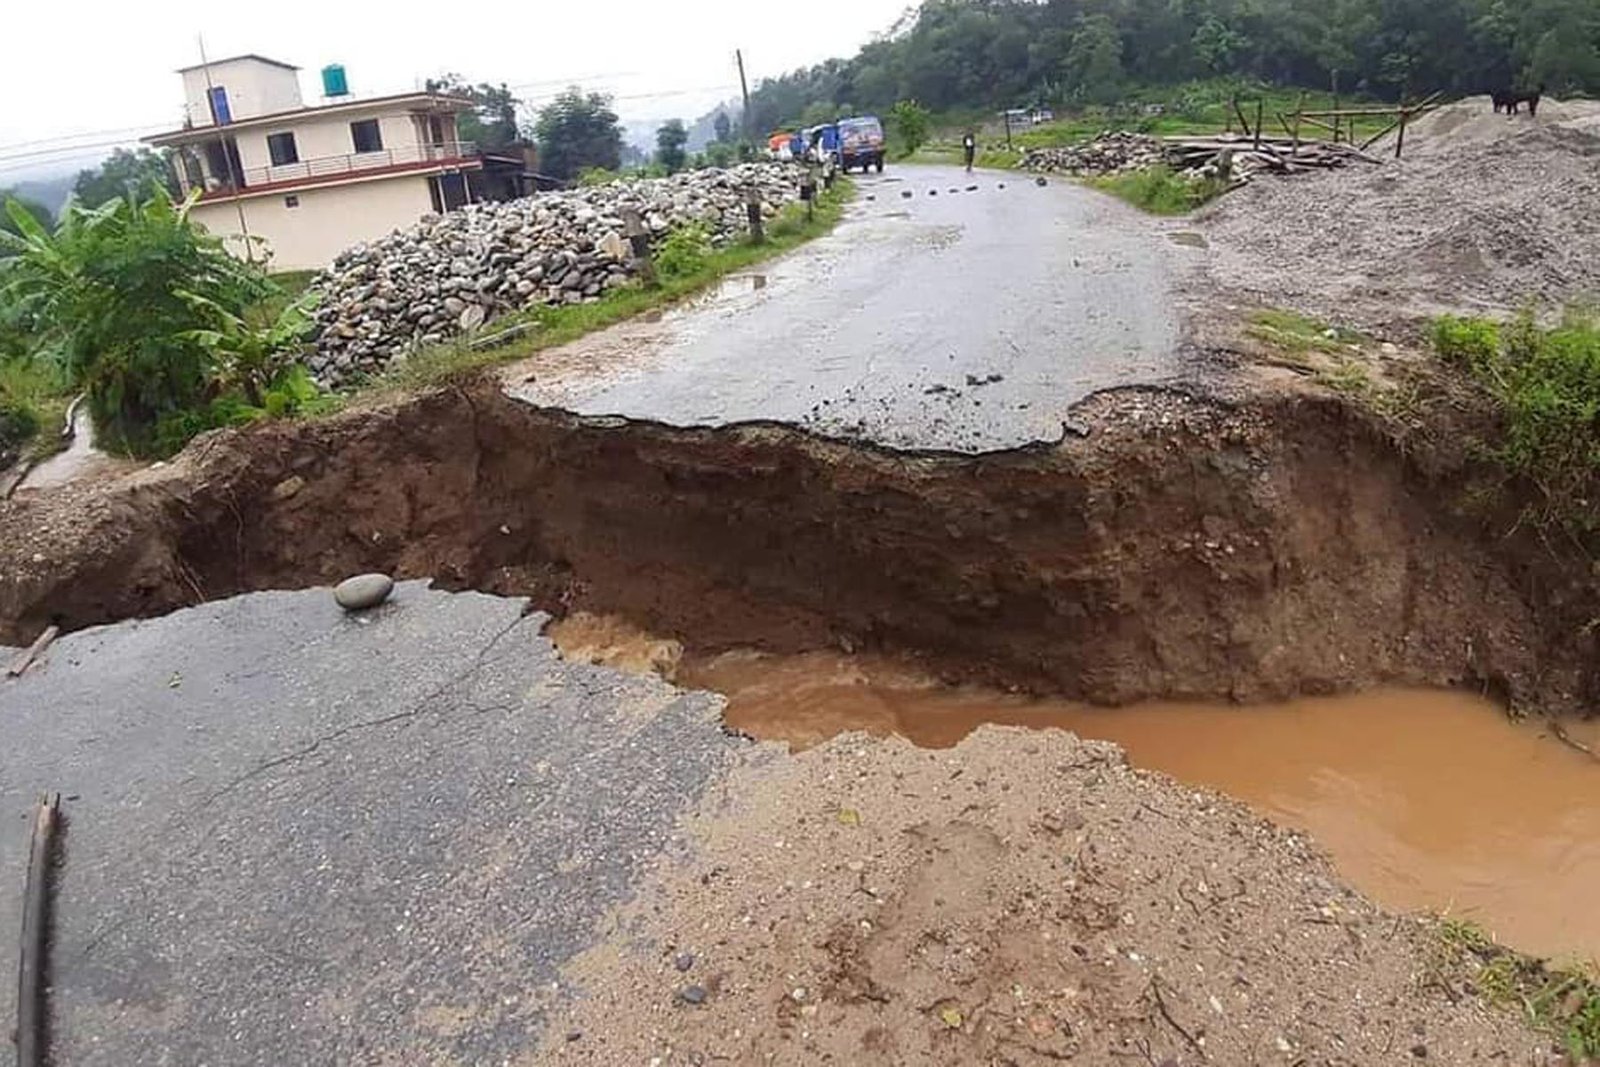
(860, 143)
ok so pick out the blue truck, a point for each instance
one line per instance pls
(860, 143)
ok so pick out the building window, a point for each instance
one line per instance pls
(365, 136)
(280, 146)
(291, 201)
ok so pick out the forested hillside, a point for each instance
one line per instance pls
(983, 53)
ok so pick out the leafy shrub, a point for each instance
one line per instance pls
(1469, 342)
(1546, 383)
(684, 252)
(18, 424)
(592, 176)
(119, 296)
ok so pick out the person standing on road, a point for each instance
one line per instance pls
(969, 149)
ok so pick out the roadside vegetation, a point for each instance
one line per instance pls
(166, 333)
(1545, 386)
(1563, 1001)
(1160, 191)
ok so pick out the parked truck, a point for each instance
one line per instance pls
(860, 143)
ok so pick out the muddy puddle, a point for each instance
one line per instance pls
(1427, 800)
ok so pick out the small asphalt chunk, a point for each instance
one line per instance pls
(933, 192)
(972, 188)
(684, 961)
(906, 193)
(574, 1035)
(1040, 182)
(692, 994)
(363, 591)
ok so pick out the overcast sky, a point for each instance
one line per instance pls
(115, 76)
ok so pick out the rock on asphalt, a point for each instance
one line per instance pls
(297, 836)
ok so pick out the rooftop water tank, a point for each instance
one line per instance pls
(333, 81)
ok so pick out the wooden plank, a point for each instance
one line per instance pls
(33, 651)
(31, 1037)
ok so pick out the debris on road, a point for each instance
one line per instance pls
(364, 591)
(32, 652)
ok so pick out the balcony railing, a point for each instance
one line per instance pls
(402, 156)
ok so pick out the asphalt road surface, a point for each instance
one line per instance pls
(970, 316)
(299, 837)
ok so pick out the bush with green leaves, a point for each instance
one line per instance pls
(684, 252)
(1546, 384)
(143, 311)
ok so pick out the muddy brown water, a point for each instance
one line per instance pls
(1427, 800)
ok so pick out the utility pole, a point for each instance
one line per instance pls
(234, 177)
(744, 88)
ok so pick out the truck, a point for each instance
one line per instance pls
(860, 143)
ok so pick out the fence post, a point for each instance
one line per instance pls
(752, 206)
(639, 239)
(1260, 104)
(1299, 108)
(1400, 140)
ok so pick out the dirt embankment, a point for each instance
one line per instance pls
(1186, 548)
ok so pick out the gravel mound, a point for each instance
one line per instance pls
(1484, 213)
(451, 273)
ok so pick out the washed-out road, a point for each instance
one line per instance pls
(947, 311)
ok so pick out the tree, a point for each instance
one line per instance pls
(576, 132)
(492, 122)
(139, 174)
(671, 137)
(1094, 63)
(910, 121)
(120, 297)
(40, 213)
(720, 154)
(723, 126)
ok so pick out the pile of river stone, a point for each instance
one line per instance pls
(1111, 152)
(452, 273)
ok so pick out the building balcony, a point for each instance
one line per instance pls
(329, 169)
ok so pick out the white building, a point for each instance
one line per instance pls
(299, 183)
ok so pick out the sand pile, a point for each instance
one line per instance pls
(1485, 212)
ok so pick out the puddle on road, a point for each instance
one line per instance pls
(1426, 800)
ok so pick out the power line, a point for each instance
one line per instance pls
(4, 147)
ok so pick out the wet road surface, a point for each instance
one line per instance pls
(299, 837)
(967, 316)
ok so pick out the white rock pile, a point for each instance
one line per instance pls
(1111, 152)
(452, 273)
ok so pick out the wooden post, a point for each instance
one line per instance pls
(1244, 123)
(1260, 104)
(1336, 108)
(1400, 138)
(31, 1016)
(808, 193)
(639, 239)
(752, 206)
(1299, 109)
(1227, 124)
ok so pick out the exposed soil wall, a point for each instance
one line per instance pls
(1186, 548)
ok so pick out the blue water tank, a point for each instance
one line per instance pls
(333, 81)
